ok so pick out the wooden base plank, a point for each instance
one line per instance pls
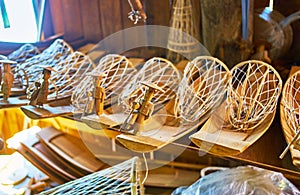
(155, 138)
(105, 120)
(214, 139)
(13, 102)
(46, 111)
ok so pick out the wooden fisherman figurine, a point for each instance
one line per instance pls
(141, 110)
(98, 94)
(43, 92)
(7, 78)
(34, 95)
(128, 125)
(89, 106)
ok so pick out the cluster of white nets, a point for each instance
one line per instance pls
(253, 94)
(118, 70)
(123, 178)
(203, 85)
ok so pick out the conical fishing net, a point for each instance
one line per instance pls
(117, 69)
(253, 94)
(203, 85)
(157, 71)
(66, 75)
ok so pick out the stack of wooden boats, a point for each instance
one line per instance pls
(70, 164)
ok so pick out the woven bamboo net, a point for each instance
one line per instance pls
(123, 178)
(66, 76)
(203, 85)
(253, 94)
(118, 70)
(23, 53)
(157, 71)
(291, 105)
(57, 52)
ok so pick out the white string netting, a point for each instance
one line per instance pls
(66, 76)
(253, 94)
(23, 53)
(157, 71)
(57, 52)
(291, 102)
(203, 85)
(123, 178)
(118, 71)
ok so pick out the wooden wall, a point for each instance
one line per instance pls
(93, 20)
(82, 21)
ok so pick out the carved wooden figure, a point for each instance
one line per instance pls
(43, 92)
(98, 94)
(141, 110)
(128, 125)
(95, 98)
(34, 95)
(7, 78)
(88, 109)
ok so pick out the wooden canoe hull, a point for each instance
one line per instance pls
(46, 111)
(212, 137)
(13, 102)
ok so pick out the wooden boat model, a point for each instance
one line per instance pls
(18, 56)
(115, 115)
(246, 114)
(156, 72)
(289, 116)
(67, 75)
(201, 89)
(30, 66)
(6, 85)
(99, 91)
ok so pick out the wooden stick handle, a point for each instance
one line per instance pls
(289, 145)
